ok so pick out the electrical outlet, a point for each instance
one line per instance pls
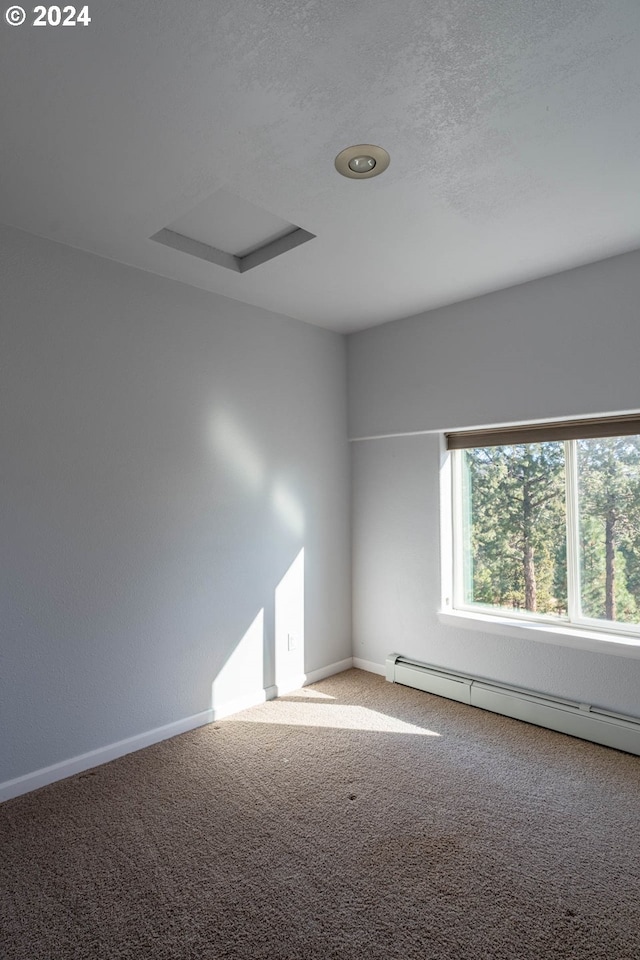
(292, 642)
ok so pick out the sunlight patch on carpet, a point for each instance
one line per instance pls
(339, 716)
(306, 693)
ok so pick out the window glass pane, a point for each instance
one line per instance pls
(609, 517)
(514, 551)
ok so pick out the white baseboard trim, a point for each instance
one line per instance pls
(304, 679)
(94, 758)
(328, 671)
(229, 707)
(369, 666)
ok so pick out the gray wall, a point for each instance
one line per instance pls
(566, 345)
(166, 455)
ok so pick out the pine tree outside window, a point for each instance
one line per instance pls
(547, 522)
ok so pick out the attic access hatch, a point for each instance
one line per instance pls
(231, 232)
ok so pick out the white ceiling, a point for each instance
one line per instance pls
(513, 128)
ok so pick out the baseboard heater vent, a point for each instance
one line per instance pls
(565, 716)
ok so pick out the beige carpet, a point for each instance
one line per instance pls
(354, 819)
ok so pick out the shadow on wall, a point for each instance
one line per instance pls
(269, 657)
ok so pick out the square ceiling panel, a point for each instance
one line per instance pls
(231, 232)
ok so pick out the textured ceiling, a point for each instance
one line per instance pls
(513, 128)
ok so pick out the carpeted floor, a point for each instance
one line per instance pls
(353, 819)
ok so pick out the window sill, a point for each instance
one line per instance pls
(560, 634)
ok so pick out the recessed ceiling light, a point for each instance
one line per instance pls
(362, 161)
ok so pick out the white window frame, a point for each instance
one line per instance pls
(574, 629)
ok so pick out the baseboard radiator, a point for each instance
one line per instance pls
(565, 716)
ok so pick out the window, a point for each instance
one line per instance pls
(547, 522)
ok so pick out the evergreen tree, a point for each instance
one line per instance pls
(609, 490)
(517, 525)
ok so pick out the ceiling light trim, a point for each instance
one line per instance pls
(378, 154)
(203, 251)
